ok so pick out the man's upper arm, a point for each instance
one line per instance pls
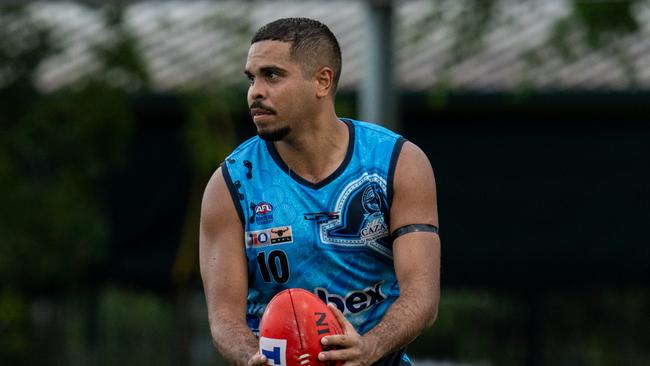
(416, 255)
(221, 252)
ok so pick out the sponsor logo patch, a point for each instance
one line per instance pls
(321, 217)
(258, 238)
(355, 301)
(272, 236)
(281, 235)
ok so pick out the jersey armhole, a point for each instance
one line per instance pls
(235, 195)
(391, 167)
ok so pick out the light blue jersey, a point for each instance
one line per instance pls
(330, 238)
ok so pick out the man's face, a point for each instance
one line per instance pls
(279, 94)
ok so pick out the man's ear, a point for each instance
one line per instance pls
(324, 81)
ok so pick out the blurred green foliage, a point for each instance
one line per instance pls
(135, 328)
(605, 21)
(55, 151)
(469, 26)
(476, 326)
(588, 326)
(599, 25)
(55, 155)
(108, 327)
(210, 135)
(120, 59)
(596, 327)
(14, 327)
(596, 24)
(24, 43)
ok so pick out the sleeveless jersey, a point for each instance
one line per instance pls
(330, 238)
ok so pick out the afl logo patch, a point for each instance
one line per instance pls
(263, 208)
(263, 213)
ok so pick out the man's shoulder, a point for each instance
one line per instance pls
(363, 127)
(245, 147)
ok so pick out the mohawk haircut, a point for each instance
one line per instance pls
(313, 45)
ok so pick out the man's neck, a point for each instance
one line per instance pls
(317, 151)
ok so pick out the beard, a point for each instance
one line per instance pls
(275, 135)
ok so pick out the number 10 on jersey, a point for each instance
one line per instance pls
(274, 265)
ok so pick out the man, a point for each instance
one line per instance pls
(342, 208)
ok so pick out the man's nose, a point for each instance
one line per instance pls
(257, 90)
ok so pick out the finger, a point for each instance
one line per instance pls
(338, 355)
(340, 340)
(347, 326)
(257, 360)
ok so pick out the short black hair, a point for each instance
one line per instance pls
(312, 43)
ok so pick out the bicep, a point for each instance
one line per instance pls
(416, 255)
(221, 251)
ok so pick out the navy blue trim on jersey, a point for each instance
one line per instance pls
(234, 193)
(391, 168)
(348, 156)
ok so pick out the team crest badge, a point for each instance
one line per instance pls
(363, 207)
(374, 226)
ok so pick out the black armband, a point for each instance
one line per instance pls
(414, 228)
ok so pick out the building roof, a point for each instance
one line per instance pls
(203, 44)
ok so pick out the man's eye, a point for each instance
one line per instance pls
(251, 79)
(272, 75)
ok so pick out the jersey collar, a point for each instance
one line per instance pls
(348, 156)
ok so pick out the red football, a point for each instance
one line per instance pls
(292, 326)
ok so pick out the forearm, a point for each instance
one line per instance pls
(402, 323)
(234, 341)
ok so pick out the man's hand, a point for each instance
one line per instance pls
(257, 360)
(353, 349)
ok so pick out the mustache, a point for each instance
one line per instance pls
(258, 104)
